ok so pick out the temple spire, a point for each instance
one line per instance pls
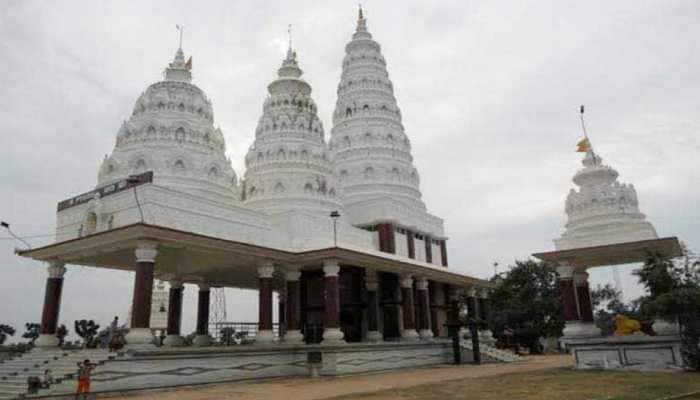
(361, 31)
(178, 69)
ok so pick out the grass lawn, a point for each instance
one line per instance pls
(557, 384)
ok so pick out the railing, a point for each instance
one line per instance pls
(242, 331)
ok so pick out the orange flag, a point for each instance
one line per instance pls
(188, 64)
(583, 146)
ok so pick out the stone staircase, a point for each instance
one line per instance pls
(62, 363)
(492, 352)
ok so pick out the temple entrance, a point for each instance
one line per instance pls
(390, 304)
(351, 303)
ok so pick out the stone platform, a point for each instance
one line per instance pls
(632, 353)
(166, 368)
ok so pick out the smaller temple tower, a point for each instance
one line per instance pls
(603, 211)
(288, 166)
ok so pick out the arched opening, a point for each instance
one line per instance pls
(90, 223)
(179, 166)
(348, 112)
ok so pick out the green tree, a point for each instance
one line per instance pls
(5, 331)
(527, 300)
(32, 332)
(673, 288)
(607, 301)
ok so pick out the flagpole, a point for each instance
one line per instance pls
(585, 133)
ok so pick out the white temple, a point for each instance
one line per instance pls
(603, 211)
(169, 206)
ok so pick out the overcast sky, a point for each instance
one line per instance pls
(489, 92)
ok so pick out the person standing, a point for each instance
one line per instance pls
(84, 370)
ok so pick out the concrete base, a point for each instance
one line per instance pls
(140, 338)
(45, 340)
(294, 337)
(333, 335)
(574, 330)
(264, 337)
(425, 334)
(201, 341)
(410, 334)
(174, 341)
(634, 353)
(375, 336)
(663, 328)
(169, 368)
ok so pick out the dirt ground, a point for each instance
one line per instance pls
(326, 388)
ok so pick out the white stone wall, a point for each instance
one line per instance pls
(401, 244)
(437, 254)
(420, 249)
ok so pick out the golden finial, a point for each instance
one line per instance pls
(360, 16)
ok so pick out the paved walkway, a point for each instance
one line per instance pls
(308, 389)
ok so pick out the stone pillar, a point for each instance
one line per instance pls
(387, 237)
(282, 313)
(574, 328)
(372, 286)
(140, 332)
(407, 309)
(411, 244)
(424, 326)
(568, 293)
(203, 339)
(434, 306)
(293, 309)
(583, 295)
(443, 252)
(331, 323)
(265, 273)
(428, 249)
(484, 306)
(52, 306)
(174, 337)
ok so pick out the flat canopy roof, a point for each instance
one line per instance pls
(613, 254)
(194, 257)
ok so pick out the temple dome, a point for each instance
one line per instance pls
(603, 210)
(288, 166)
(171, 132)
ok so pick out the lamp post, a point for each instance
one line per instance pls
(335, 215)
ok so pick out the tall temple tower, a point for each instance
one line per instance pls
(603, 210)
(288, 166)
(372, 156)
(171, 132)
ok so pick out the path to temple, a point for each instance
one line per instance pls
(307, 389)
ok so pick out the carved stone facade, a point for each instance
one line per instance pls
(171, 132)
(293, 178)
(603, 210)
(370, 150)
(288, 166)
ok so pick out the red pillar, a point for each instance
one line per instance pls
(443, 252)
(202, 338)
(583, 292)
(387, 237)
(428, 249)
(373, 313)
(407, 309)
(568, 293)
(52, 306)
(265, 273)
(174, 314)
(140, 332)
(331, 323)
(293, 308)
(424, 326)
(411, 244)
